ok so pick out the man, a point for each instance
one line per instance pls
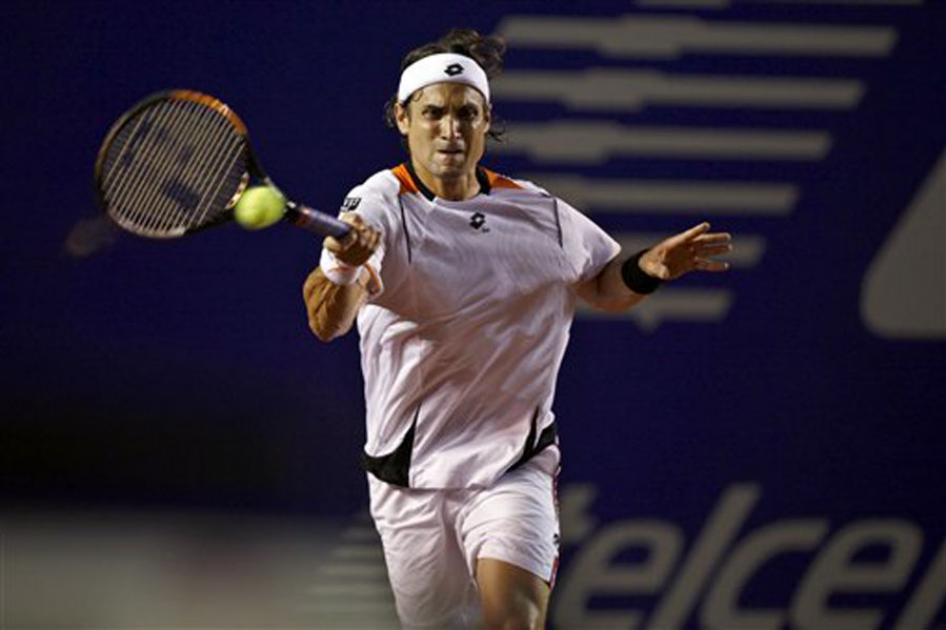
(464, 284)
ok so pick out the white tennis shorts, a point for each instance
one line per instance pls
(432, 539)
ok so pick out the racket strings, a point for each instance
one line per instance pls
(185, 180)
(174, 165)
(124, 175)
(141, 167)
(152, 168)
(226, 177)
(184, 191)
(145, 201)
(219, 150)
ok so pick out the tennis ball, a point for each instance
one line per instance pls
(259, 207)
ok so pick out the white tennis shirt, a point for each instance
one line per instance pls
(461, 348)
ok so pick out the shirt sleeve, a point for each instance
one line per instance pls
(587, 246)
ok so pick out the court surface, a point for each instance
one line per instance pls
(149, 569)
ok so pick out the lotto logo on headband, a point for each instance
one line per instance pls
(442, 68)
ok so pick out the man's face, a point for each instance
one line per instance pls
(445, 125)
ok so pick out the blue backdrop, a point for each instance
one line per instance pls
(759, 449)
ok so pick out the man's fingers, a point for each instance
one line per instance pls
(356, 246)
(354, 234)
(709, 246)
(715, 237)
(698, 234)
(333, 245)
(685, 237)
(712, 266)
(351, 218)
(694, 232)
(374, 239)
(336, 245)
(705, 251)
(691, 250)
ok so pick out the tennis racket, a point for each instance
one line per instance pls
(177, 162)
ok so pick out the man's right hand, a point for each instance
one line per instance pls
(357, 247)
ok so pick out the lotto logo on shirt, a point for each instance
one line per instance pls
(478, 222)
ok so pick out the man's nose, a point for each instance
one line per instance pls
(449, 126)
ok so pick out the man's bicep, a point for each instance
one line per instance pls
(587, 290)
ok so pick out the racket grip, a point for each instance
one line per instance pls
(316, 222)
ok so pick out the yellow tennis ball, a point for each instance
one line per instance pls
(259, 207)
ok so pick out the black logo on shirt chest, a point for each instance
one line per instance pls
(478, 222)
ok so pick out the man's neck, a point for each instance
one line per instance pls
(460, 188)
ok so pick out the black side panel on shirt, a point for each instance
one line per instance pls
(532, 446)
(407, 234)
(558, 223)
(393, 468)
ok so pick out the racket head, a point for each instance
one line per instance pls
(174, 163)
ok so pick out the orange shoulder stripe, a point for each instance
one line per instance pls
(407, 183)
(499, 181)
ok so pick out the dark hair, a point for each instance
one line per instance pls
(487, 51)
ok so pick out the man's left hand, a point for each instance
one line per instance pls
(688, 251)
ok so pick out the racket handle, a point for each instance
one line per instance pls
(316, 222)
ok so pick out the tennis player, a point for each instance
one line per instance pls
(463, 284)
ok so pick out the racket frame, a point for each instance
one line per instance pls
(299, 215)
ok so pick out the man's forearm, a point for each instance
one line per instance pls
(332, 307)
(333, 304)
(607, 291)
(612, 292)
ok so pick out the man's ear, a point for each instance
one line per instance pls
(402, 118)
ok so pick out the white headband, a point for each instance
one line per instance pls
(442, 68)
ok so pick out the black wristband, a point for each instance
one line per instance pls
(634, 277)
